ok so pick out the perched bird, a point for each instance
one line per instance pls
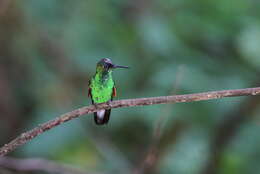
(102, 88)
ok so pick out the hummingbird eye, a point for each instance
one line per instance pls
(106, 66)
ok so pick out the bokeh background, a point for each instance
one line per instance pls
(49, 50)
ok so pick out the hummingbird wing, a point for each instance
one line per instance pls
(90, 92)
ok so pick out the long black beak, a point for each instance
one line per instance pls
(118, 66)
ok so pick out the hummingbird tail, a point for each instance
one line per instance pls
(101, 117)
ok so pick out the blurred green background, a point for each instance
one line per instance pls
(49, 50)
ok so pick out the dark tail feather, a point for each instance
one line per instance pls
(102, 117)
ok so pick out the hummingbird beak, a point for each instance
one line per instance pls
(118, 66)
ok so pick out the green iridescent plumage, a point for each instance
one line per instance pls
(102, 88)
(102, 85)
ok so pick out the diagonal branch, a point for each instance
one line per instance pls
(27, 136)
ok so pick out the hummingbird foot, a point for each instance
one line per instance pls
(95, 105)
(109, 103)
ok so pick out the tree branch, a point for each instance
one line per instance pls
(27, 136)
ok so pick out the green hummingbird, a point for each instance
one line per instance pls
(102, 88)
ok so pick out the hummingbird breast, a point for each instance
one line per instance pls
(101, 89)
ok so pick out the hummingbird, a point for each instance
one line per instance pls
(102, 88)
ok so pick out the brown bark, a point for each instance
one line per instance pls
(27, 136)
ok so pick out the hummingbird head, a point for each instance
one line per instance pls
(107, 65)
